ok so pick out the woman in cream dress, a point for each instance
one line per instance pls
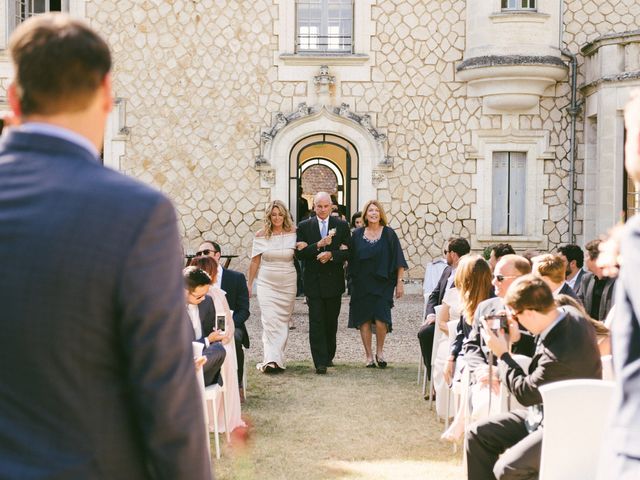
(229, 370)
(275, 274)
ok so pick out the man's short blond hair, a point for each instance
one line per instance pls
(551, 266)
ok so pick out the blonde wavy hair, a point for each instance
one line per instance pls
(473, 281)
(287, 225)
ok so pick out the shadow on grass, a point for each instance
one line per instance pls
(353, 423)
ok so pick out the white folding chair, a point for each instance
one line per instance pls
(420, 360)
(211, 395)
(437, 333)
(575, 415)
(244, 371)
(197, 352)
(607, 368)
(506, 401)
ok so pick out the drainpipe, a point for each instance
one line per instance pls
(574, 111)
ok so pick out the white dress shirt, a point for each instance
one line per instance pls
(194, 316)
(323, 233)
(219, 277)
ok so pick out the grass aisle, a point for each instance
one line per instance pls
(353, 423)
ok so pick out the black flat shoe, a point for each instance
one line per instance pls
(381, 363)
(321, 371)
(371, 365)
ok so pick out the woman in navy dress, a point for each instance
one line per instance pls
(376, 267)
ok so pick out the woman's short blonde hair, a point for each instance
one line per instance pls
(287, 226)
(383, 216)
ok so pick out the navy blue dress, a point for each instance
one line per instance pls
(373, 269)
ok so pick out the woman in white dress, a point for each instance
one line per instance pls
(275, 274)
(229, 370)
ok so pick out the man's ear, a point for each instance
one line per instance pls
(107, 94)
(14, 100)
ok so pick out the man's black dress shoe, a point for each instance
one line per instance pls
(321, 370)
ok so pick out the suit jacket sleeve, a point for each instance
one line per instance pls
(343, 237)
(311, 251)
(241, 312)
(525, 386)
(155, 340)
(435, 294)
(473, 353)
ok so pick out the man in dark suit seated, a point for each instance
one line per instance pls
(551, 269)
(455, 248)
(596, 291)
(97, 376)
(507, 445)
(202, 314)
(234, 285)
(573, 258)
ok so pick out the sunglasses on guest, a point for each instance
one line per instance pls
(205, 252)
(500, 278)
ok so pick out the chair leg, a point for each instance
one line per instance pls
(244, 374)
(226, 420)
(424, 382)
(216, 429)
(419, 369)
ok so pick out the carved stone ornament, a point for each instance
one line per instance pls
(281, 121)
(364, 120)
(323, 80)
(378, 178)
(268, 178)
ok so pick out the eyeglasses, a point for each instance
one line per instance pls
(515, 314)
(500, 278)
(205, 252)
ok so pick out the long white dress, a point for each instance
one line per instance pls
(276, 290)
(452, 299)
(229, 369)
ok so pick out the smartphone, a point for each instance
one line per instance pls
(497, 322)
(221, 322)
(1, 125)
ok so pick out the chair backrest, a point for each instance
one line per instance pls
(437, 334)
(575, 416)
(607, 368)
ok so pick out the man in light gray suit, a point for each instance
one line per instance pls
(97, 377)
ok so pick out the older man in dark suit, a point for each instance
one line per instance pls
(507, 445)
(597, 289)
(325, 239)
(97, 376)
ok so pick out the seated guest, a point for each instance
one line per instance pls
(356, 221)
(498, 251)
(602, 331)
(229, 367)
(473, 280)
(508, 445)
(596, 291)
(573, 258)
(455, 249)
(552, 270)
(202, 315)
(234, 285)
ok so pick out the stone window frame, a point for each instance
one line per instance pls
(535, 144)
(293, 66)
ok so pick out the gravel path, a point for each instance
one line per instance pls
(401, 346)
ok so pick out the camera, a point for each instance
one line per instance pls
(221, 322)
(497, 322)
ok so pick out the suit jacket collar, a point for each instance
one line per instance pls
(48, 145)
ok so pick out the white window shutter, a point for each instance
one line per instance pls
(500, 194)
(517, 192)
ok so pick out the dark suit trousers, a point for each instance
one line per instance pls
(323, 327)
(425, 336)
(215, 354)
(489, 438)
(238, 336)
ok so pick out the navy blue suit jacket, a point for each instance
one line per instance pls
(235, 286)
(626, 346)
(97, 377)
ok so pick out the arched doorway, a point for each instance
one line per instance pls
(323, 162)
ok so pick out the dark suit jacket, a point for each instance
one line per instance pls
(95, 344)
(577, 286)
(626, 347)
(586, 294)
(567, 290)
(235, 286)
(323, 279)
(437, 294)
(207, 312)
(568, 351)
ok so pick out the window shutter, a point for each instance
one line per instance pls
(517, 192)
(500, 194)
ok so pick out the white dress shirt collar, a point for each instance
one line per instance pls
(59, 132)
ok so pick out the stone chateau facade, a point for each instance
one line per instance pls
(478, 118)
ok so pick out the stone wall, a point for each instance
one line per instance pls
(200, 84)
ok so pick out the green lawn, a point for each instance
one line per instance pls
(353, 423)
